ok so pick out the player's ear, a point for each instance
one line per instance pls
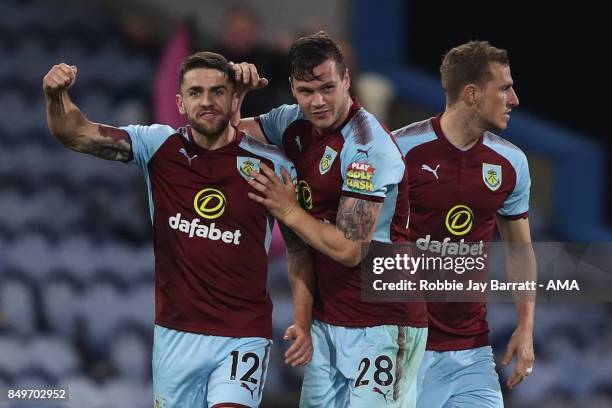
(346, 78)
(179, 104)
(470, 94)
(234, 101)
(292, 87)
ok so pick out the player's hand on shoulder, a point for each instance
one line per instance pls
(300, 352)
(59, 78)
(247, 77)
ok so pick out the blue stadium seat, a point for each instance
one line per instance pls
(76, 255)
(53, 355)
(128, 393)
(140, 306)
(14, 105)
(102, 310)
(130, 111)
(130, 352)
(61, 298)
(18, 305)
(84, 392)
(13, 358)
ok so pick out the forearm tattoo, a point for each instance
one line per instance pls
(114, 145)
(356, 218)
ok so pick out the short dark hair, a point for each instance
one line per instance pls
(469, 64)
(308, 52)
(210, 60)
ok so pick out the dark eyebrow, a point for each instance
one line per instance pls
(195, 88)
(304, 88)
(201, 89)
(326, 84)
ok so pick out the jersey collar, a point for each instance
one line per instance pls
(444, 140)
(230, 145)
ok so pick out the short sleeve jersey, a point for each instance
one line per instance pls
(457, 194)
(210, 239)
(358, 159)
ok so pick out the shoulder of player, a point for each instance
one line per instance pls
(264, 150)
(155, 128)
(365, 132)
(415, 129)
(287, 113)
(414, 135)
(504, 148)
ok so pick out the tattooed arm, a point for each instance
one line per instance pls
(71, 128)
(356, 219)
(355, 224)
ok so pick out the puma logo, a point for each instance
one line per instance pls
(429, 169)
(184, 153)
(365, 151)
(379, 391)
(243, 385)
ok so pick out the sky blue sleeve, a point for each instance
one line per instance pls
(277, 120)
(517, 202)
(287, 165)
(371, 169)
(146, 140)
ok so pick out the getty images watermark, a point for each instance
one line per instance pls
(446, 271)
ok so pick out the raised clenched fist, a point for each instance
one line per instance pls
(59, 78)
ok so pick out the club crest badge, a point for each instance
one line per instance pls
(327, 160)
(245, 165)
(492, 176)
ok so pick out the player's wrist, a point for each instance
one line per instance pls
(291, 216)
(302, 319)
(524, 328)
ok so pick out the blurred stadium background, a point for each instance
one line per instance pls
(76, 277)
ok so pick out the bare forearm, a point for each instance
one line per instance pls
(251, 128)
(302, 282)
(64, 119)
(521, 267)
(72, 129)
(525, 312)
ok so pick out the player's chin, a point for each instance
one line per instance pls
(500, 125)
(211, 129)
(218, 123)
(505, 120)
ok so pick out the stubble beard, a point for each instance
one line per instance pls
(210, 132)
